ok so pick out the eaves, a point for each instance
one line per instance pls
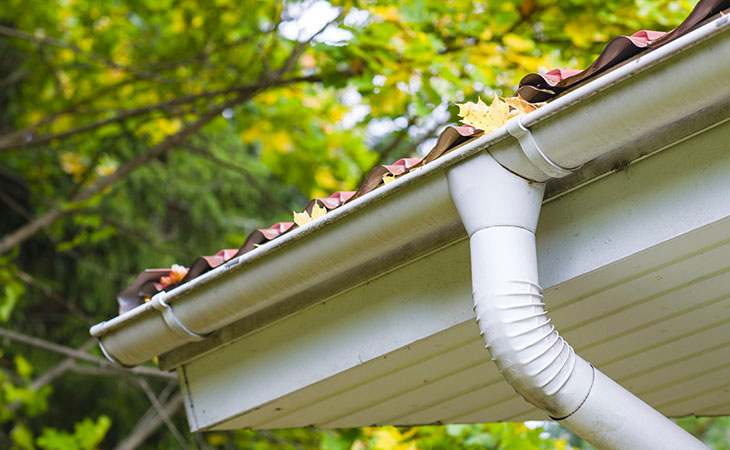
(635, 111)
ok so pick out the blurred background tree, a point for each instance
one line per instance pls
(142, 133)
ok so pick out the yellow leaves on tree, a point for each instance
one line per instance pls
(304, 217)
(73, 164)
(492, 117)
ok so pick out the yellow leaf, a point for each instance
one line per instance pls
(386, 438)
(519, 106)
(216, 439)
(389, 13)
(318, 211)
(483, 117)
(66, 55)
(72, 163)
(325, 179)
(304, 217)
(178, 22)
(301, 218)
(518, 43)
(387, 178)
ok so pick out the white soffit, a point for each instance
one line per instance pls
(637, 269)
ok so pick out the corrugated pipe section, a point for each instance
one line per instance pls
(500, 211)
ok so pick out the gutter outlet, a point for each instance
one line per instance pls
(500, 211)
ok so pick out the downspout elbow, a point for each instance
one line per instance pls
(500, 211)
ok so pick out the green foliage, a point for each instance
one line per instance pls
(714, 431)
(21, 401)
(90, 91)
(12, 288)
(87, 435)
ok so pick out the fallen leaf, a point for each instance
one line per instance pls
(177, 273)
(387, 178)
(304, 217)
(318, 211)
(483, 117)
(519, 106)
(301, 218)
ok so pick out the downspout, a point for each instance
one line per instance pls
(500, 211)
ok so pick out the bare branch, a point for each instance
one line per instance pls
(44, 40)
(23, 233)
(14, 77)
(24, 138)
(81, 355)
(61, 368)
(161, 412)
(53, 373)
(149, 423)
(302, 46)
(29, 229)
(21, 135)
(15, 206)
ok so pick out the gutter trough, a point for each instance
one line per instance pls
(666, 89)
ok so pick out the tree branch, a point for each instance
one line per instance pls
(23, 233)
(53, 373)
(60, 368)
(82, 356)
(149, 423)
(299, 48)
(161, 412)
(21, 139)
(14, 32)
(20, 136)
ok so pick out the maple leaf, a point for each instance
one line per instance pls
(483, 117)
(304, 217)
(519, 106)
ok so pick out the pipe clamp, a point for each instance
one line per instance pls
(533, 151)
(172, 321)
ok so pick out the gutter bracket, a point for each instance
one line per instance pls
(532, 150)
(172, 321)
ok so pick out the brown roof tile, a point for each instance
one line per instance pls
(544, 87)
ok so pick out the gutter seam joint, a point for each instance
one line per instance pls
(590, 389)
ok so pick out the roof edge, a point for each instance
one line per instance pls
(384, 220)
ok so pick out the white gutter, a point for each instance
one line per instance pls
(636, 101)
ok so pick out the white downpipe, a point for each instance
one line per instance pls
(500, 211)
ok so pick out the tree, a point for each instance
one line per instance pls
(142, 133)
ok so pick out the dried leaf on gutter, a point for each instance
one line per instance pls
(483, 117)
(304, 217)
(519, 106)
